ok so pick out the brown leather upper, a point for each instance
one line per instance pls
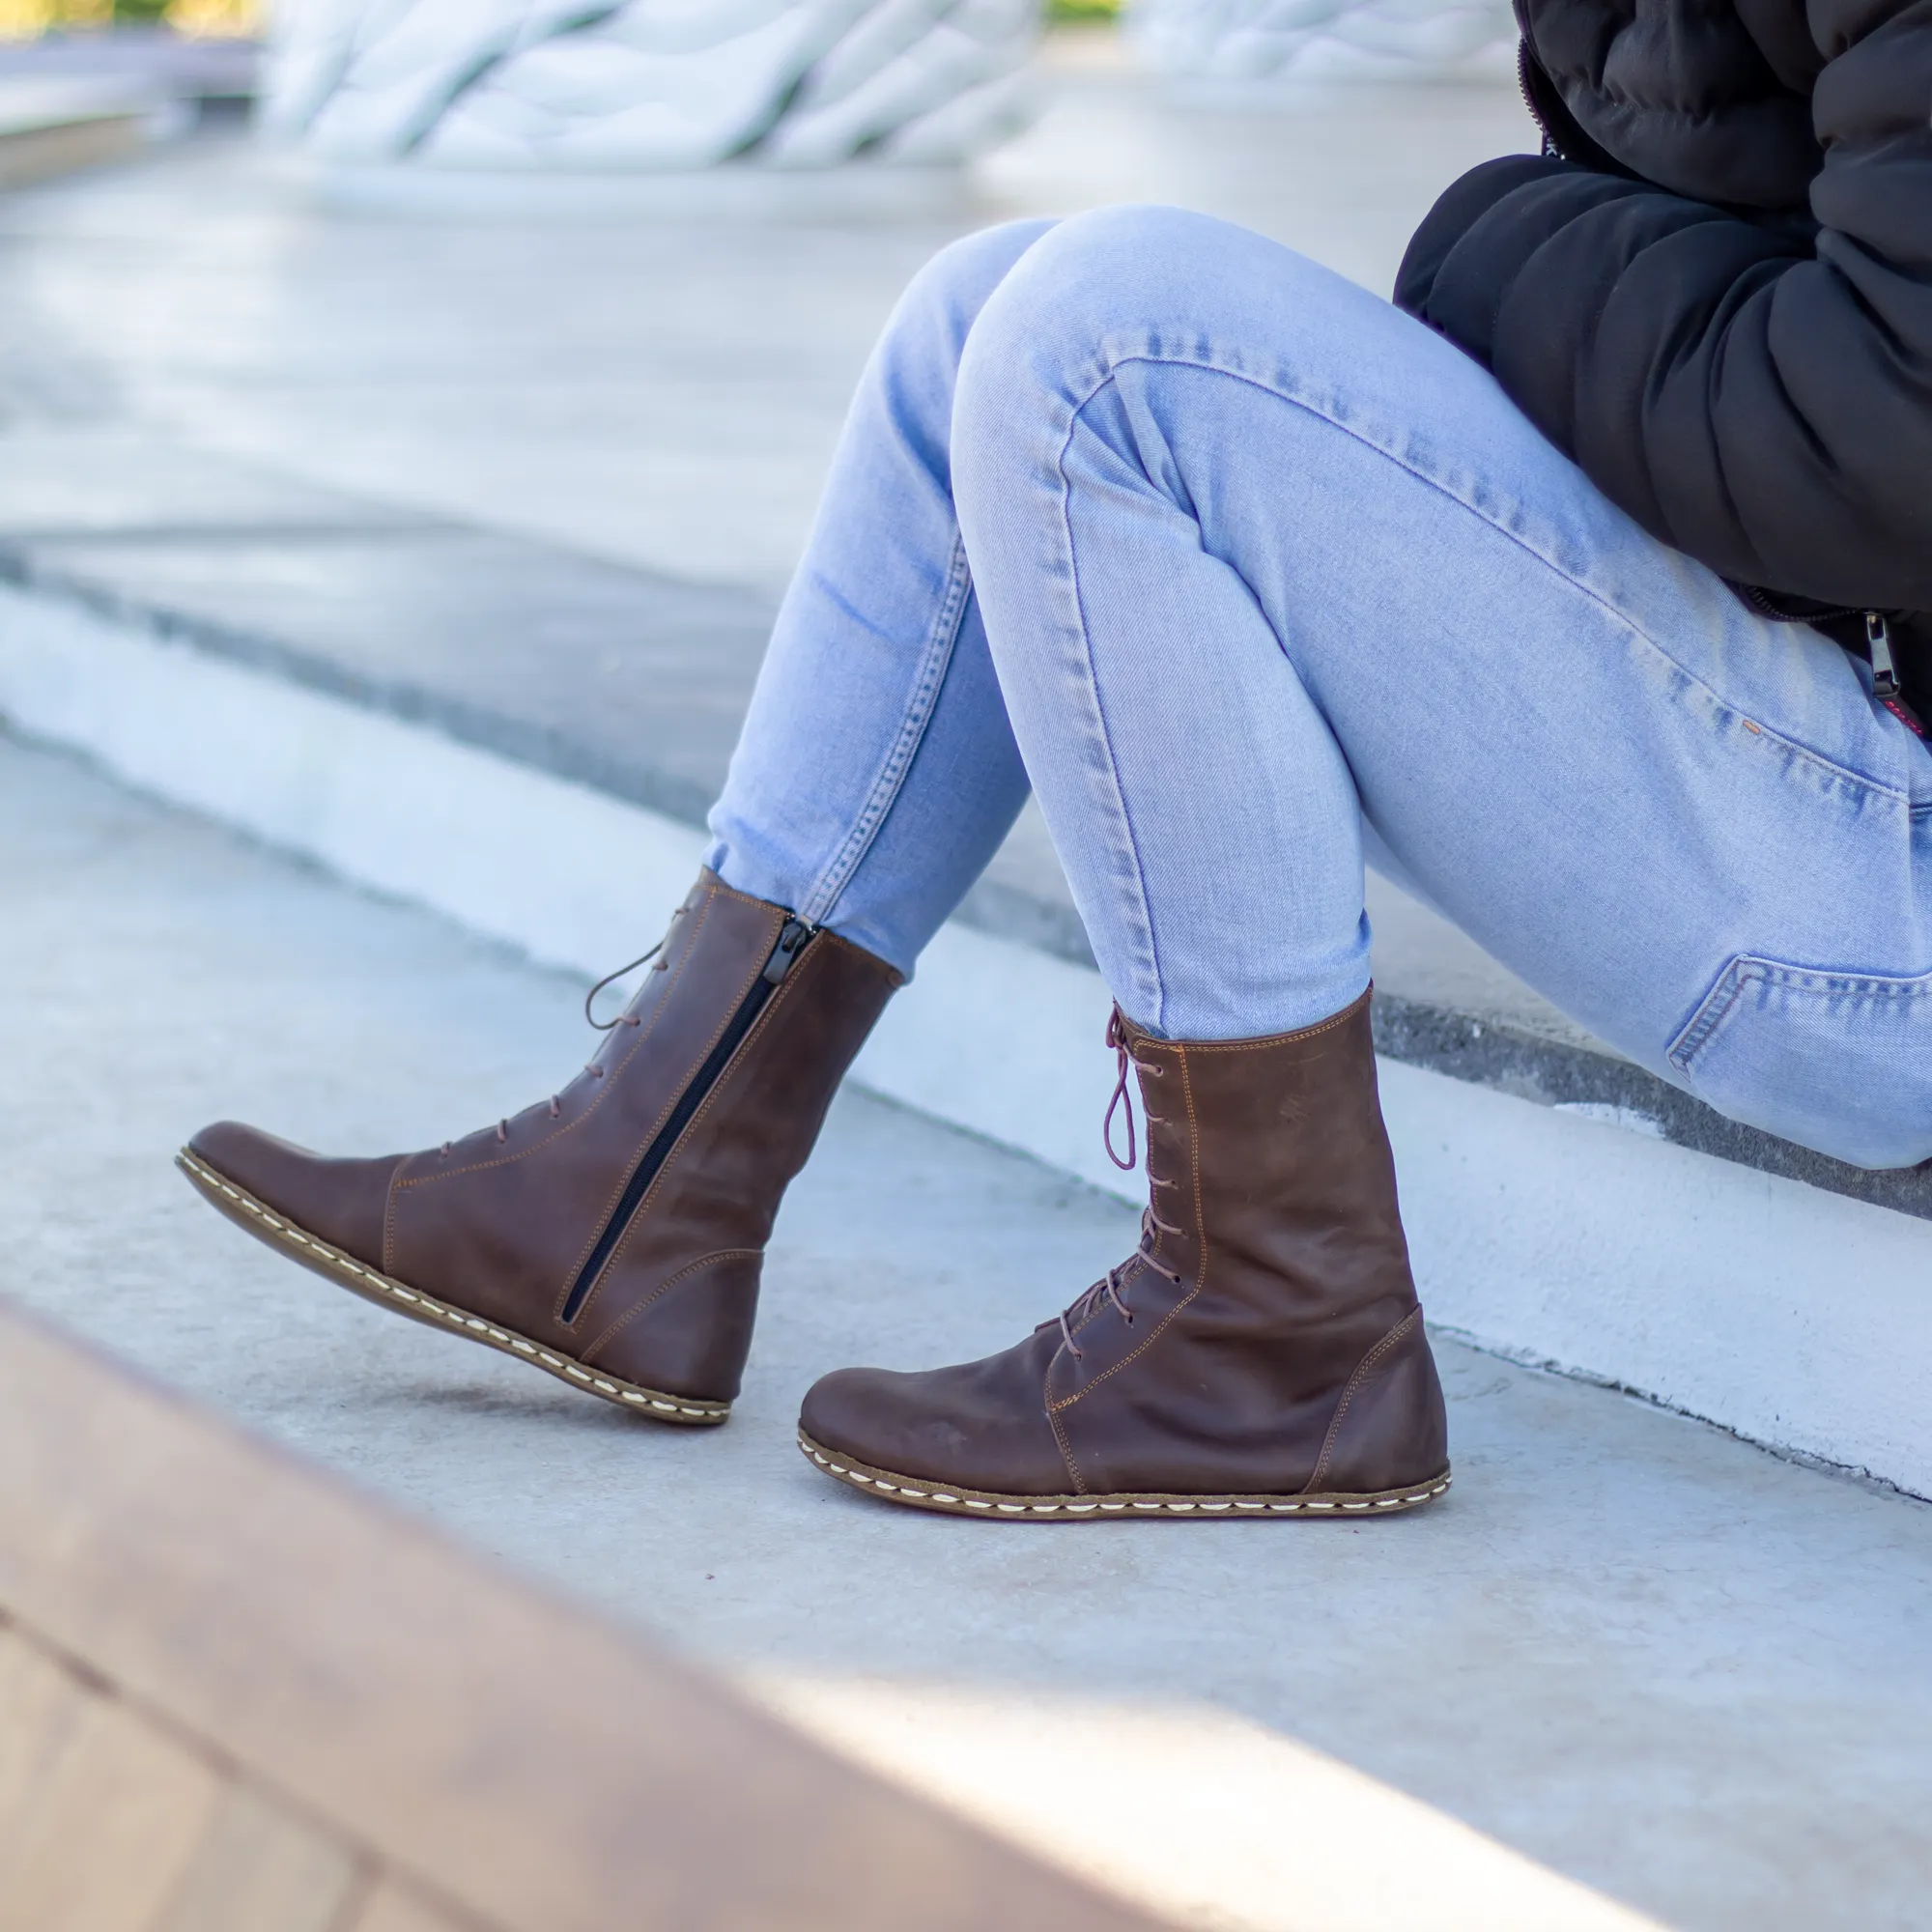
(1290, 1356)
(502, 1222)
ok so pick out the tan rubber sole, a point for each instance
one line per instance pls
(281, 1233)
(918, 1494)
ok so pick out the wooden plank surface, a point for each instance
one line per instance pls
(392, 1909)
(258, 1870)
(538, 1768)
(110, 1824)
(113, 1823)
(40, 1706)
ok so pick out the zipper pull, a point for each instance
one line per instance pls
(1878, 641)
(791, 942)
(1884, 673)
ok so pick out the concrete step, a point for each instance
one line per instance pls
(1628, 1671)
(525, 738)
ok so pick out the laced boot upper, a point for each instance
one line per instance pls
(621, 1222)
(1264, 1338)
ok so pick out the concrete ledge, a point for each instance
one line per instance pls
(612, 677)
(632, 683)
(1595, 1083)
(740, 194)
(1552, 1234)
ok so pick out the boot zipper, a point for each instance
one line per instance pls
(1884, 674)
(792, 942)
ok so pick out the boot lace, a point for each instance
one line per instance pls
(554, 1107)
(1111, 1285)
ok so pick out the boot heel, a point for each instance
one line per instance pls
(1390, 1426)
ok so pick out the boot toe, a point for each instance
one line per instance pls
(343, 1201)
(982, 1426)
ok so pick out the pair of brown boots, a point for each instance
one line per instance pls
(1260, 1353)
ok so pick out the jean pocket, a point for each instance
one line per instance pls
(1837, 1062)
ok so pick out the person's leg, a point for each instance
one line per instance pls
(1261, 558)
(613, 1234)
(1262, 555)
(876, 773)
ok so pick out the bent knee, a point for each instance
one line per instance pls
(1151, 284)
(958, 280)
(1145, 249)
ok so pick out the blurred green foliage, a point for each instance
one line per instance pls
(29, 19)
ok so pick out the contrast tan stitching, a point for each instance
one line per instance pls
(1133, 1355)
(720, 890)
(1066, 1455)
(1363, 1368)
(616, 1072)
(1194, 1171)
(1161, 1328)
(390, 1219)
(762, 1025)
(657, 1128)
(1099, 1506)
(664, 1286)
(663, 1113)
(1342, 1018)
(399, 1186)
(458, 1318)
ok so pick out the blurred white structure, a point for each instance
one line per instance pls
(1266, 40)
(647, 84)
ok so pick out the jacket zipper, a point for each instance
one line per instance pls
(1878, 647)
(1768, 606)
(792, 941)
(1884, 674)
(1550, 151)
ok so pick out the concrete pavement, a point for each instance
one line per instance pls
(661, 393)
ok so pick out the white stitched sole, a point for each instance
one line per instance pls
(374, 1286)
(960, 1502)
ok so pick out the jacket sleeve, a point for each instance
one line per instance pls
(1752, 390)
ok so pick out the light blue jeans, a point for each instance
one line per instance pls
(1250, 576)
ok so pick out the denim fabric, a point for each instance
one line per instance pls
(1252, 576)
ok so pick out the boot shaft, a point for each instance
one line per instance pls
(1262, 1352)
(1270, 1158)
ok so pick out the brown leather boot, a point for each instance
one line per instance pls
(612, 1234)
(1260, 1353)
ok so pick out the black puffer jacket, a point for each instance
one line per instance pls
(1715, 292)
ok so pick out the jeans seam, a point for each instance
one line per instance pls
(1712, 1012)
(1751, 968)
(1149, 963)
(1837, 771)
(935, 658)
